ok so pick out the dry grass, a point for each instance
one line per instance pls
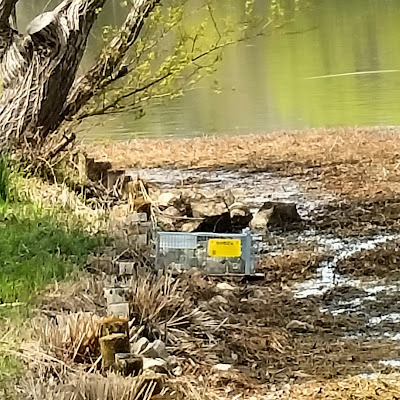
(229, 386)
(381, 262)
(82, 292)
(69, 337)
(201, 332)
(63, 204)
(94, 386)
(291, 265)
(154, 299)
(163, 307)
(382, 387)
(353, 161)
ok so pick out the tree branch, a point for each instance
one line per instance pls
(109, 62)
(38, 70)
(7, 34)
(7, 8)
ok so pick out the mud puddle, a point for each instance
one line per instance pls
(373, 301)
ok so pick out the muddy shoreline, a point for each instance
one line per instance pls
(335, 322)
(326, 316)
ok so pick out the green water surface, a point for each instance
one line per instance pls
(338, 63)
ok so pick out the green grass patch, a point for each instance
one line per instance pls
(5, 173)
(38, 246)
(36, 249)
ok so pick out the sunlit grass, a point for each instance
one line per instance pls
(35, 249)
(39, 244)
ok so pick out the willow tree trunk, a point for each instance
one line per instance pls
(38, 71)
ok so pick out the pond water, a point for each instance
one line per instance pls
(338, 63)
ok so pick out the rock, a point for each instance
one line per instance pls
(127, 267)
(137, 217)
(145, 227)
(218, 300)
(156, 350)
(177, 267)
(140, 345)
(258, 293)
(173, 361)
(119, 309)
(276, 215)
(260, 220)
(239, 209)
(225, 286)
(284, 215)
(240, 215)
(115, 295)
(190, 226)
(227, 197)
(177, 371)
(215, 267)
(166, 199)
(208, 208)
(155, 364)
(171, 211)
(299, 326)
(222, 367)
(166, 223)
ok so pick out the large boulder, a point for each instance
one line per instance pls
(259, 223)
(276, 215)
(208, 208)
(284, 216)
(214, 215)
(190, 226)
(167, 199)
(199, 212)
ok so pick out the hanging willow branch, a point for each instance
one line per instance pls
(109, 66)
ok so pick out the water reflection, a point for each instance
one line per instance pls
(266, 83)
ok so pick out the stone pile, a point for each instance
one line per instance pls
(129, 228)
(220, 212)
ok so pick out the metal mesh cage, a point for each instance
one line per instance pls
(216, 254)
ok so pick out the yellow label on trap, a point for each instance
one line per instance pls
(224, 248)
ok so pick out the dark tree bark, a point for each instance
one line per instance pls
(38, 72)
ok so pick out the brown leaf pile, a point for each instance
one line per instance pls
(380, 262)
(289, 266)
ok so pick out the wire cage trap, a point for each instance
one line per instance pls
(214, 253)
